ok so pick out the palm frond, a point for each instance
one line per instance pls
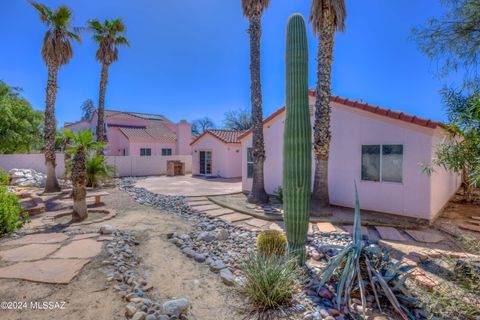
(335, 8)
(253, 8)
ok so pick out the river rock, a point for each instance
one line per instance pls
(176, 307)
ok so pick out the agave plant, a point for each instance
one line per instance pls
(98, 170)
(366, 269)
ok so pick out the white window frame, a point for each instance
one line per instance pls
(380, 179)
(250, 162)
(165, 155)
(145, 155)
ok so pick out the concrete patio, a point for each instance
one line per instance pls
(190, 186)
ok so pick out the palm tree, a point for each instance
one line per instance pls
(81, 144)
(56, 52)
(109, 37)
(253, 10)
(326, 16)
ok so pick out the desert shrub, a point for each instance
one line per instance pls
(10, 212)
(278, 193)
(98, 170)
(4, 178)
(470, 244)
(270, 281)
(271, 242)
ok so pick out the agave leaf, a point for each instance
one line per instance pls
(343, 280)
(372, 284)
(362, 288)
(357, 224)
(326, 275)
(390, 295)
(401, 282)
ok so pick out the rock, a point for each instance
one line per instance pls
(150, 317)
(163, 317)
(139, 315)
(106, 229)
(316, 315)
(300, 307)
(176, 307)
(222, 234)
(227, 277)
(206, 236)
(216, 266)
(325, 293)
(324, 313)
(199, 257)
(130, 309)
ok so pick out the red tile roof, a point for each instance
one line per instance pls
(227, 136)
(398, 115)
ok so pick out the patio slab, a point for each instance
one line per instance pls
(276, 226)
(326, 227)
(80, 249)
(234, 217)
(198, 203)
(60, 271)
(29, 252)
(422, 236)
(389, 233)
(84, 236)
(190, 186)
(218, 212)
(349, 229)
(37, 238)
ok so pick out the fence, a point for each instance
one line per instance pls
(125, 165)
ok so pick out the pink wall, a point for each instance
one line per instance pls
(156, 148)
(184, 138)
(226, 157)
(351, 129)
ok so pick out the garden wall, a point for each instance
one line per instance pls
(125, 165)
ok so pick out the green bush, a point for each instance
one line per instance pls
(10, 212)
(4, 178)
(271, 242)
(98, 170)
(270, 282)
(278, 193)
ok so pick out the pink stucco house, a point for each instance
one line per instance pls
(140, 134)
(217, 153)
(379, 148)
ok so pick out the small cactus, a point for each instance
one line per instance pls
(297, 141)
(271, 242)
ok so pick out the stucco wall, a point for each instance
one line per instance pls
(226, 157)
(350, 130)
(126, 166)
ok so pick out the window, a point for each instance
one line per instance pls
(382, 162)
(249, 163)
(205, 162)
(145, 151)
(166, 152)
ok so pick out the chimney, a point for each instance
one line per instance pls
(184, 137)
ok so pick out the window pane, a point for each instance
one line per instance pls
(249, 155)
(392, 163)
(371, 163)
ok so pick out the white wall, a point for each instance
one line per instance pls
(126, 166)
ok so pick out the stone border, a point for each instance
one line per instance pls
(110, 213)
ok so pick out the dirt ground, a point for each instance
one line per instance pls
(172, 274)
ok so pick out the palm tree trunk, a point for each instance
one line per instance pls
(257, 194)
(322, 135)
(79, 181)
(101, 106)
(51, 185)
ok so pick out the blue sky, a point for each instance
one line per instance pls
(190, 58)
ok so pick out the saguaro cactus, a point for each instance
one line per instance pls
(297, 141)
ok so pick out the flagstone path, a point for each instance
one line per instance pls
(48, 257)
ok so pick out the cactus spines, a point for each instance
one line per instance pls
(297, 142)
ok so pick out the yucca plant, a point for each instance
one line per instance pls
(367, 270)
(98, 170)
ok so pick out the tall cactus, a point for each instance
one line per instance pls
(297, 142)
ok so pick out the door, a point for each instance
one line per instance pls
(205, 162)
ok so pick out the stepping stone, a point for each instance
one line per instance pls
(105, 238)
(472, 221)
(475, 217)
(470, 227)
(259, 223)
(349, 229)
(207, 207)
(199, 203)
(80, 249)
(389, 233)
(29, 252)
(218, 212)
(275, 226)
(37, 238)
(310, 228)
(60, 271)
(422, 236)
(326, 227)
(234, 217)
(84, 236)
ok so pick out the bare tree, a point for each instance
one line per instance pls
(240, 119)
(199, 126)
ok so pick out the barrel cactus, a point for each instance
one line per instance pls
(271, 242)
(297, 142)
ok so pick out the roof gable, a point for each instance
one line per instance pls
(225, 136)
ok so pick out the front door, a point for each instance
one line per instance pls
(205, 162)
